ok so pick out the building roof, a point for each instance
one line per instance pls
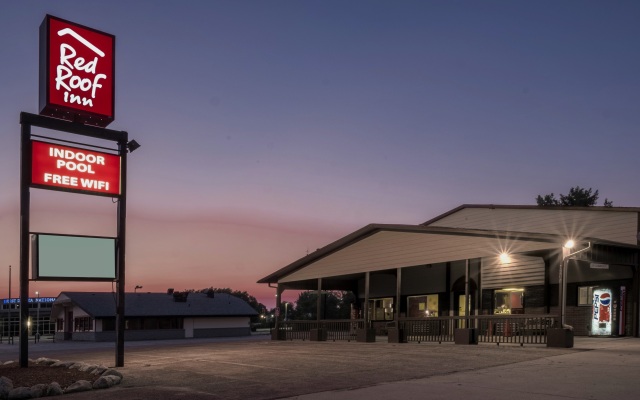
(419, 229)
(426, 228)
(531, 207)
(103, 304)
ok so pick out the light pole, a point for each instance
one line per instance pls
(566, 255)
(10, 331)
(38, 316)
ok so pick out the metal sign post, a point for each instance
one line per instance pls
(121, 138)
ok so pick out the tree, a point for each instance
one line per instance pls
(336, 304)
(577, 196)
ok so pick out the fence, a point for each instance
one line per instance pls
(519, 329)
(522, 329)
(343, 329)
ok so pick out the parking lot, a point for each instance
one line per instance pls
(259, 368)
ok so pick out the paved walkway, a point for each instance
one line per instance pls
(609, 370)
(257, 368)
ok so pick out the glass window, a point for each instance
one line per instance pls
(83, 324)
(422, 306)
(585, 295)
(509, 301)
(381, 309)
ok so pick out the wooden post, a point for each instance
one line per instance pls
(398, 294)
(366, 299)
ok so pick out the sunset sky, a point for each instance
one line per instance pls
(272, 128)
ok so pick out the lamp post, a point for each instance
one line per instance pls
(38, 316)
(10, 310)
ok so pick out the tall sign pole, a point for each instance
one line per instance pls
(25, 180)
(77, 96)
(122, 218)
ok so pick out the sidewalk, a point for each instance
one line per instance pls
(609, 370)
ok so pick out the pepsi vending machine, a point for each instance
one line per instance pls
(601, 321)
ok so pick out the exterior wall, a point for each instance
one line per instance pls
(216, 327)
(581, 271)
(520, 271)
(221, 332)
(617, 226)
(424, 279)
(160, 334)
(193, 328)
(388, 250)
(380, 285)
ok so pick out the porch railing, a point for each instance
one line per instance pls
(342, 329)
(522, 329)
(433, 329)
(519, 329)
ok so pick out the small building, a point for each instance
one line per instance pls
(39, 313)
(486, 260)
(90, 316)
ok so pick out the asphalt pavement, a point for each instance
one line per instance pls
(258, 368)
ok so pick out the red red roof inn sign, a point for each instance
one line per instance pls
(77, 68)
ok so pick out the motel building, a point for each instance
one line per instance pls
(90, 316)
(478, 273)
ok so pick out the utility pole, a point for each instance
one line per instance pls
(9, 319)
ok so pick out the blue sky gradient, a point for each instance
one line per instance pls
(271, 128)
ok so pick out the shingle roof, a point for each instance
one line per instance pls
(531, 207)
(103, 304)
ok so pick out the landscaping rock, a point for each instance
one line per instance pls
(80, 386)
(19, 393)
(54, 389)
(99, 370)
(88, 368)
(5, 387)
(78, 365)
(46, 361)
(112, 372)
(105, 382)
(39, 390)
(65, 364)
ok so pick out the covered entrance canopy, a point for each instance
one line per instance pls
(501, 259)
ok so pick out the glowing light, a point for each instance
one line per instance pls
(570, 243)
(505, 258)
